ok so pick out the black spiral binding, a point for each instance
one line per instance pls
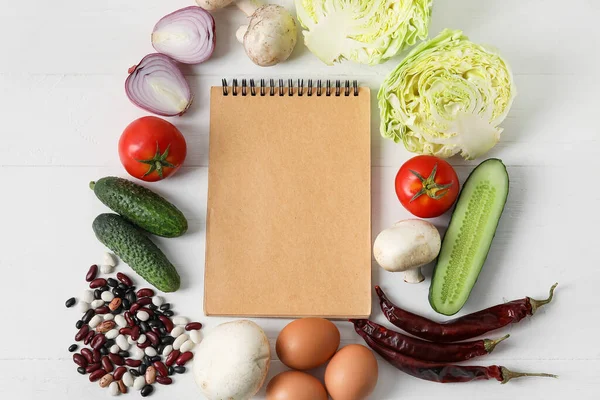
(250, 87)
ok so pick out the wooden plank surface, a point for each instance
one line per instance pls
(61, 78)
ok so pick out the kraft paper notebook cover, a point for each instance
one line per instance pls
(289, 208)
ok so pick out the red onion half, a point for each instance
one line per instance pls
(186, 35)
(157, 85)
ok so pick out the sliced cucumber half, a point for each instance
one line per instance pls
(467, 242)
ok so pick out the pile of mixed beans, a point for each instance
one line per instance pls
(132, 338)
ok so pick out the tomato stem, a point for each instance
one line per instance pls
(158, 162)
(430, 187)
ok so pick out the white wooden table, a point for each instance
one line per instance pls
(62, 70)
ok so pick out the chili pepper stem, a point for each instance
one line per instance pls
(535, 304)
(507, 375)
(490, 345)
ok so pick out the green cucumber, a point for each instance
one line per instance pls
(468, 239)
(140, 206)
(136, 249)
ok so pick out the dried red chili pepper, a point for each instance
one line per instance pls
(462, 328)
(444, 373)
(421, 349)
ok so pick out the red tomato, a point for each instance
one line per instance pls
(427, 186)
(152, 149)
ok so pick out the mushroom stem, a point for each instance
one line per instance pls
(249, 6)
(239, 34)
(413, 276)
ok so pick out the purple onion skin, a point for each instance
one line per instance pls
(150, 61)
(204, 22)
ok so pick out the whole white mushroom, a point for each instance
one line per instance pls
(232, 361)
(406, 247)
(271, 34)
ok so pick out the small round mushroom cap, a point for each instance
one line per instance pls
(271, 36)
(213, 4)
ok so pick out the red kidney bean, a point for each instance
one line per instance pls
(102, 310)
(193, 326)
(129, 318)
(87, 353)
(161, 368)
(124, 279)
(144, 301)
(156, 330)
(96, 356)
(92, 367)
(145, 292)
(125, 331)
(91, 274)
(119, 373)
(116, 359)
(164, 380)
(133, 309)
(98, 282)
(122, 387)
(107, 364)
(80, 360)
(98, 341)
(81, 333)
(184, 358)
(154, 338)
(135, 333)
(172, 357)
(144, 345)
(130, 362)
(97, 375)
(89, 337)
(166, 322)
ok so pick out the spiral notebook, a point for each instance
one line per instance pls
(288, 231)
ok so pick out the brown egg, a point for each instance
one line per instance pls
(307, 343)
(295, 385)
(351, 373)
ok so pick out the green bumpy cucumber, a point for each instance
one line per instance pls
(140, 206)
(468, 239)
(136, 249)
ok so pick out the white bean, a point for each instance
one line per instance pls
(167, 350)
(109, 317)
(187, 346)
(107, 296)
(84, 306)
(120, 321)
(87, 296)
(195, 336)
(97, 303)
(158, 301)
(96, 319)
(106, 269)
(130, 340)
(180, 340)
(136, 353)
(180, 320)
(109, 259)
(121, 341)
(177, 331)
(139, 383)
(143, 316)
(114, 349)
(127, 379)
(113, 389)
(150, 351)
(141, 339)
(113, 333)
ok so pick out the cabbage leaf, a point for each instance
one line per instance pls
(365, 31)
(448, 96)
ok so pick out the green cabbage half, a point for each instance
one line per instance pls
(365, 31)
(448, 96)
